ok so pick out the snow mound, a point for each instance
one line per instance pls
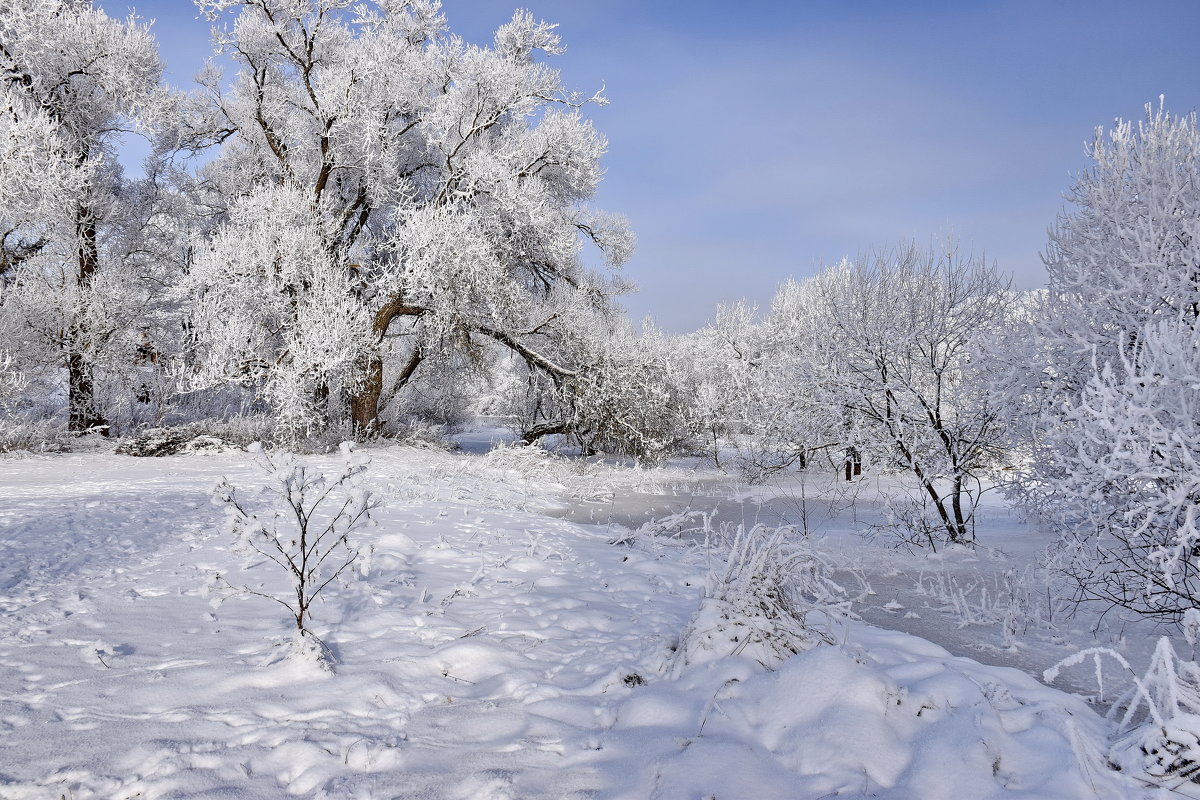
(883, 715)
(758, 600)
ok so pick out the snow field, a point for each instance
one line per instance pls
(484, 650)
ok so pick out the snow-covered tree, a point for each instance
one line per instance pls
(728, 395)
(1129, 252)
(1115, 444)
(624, 392)
(1131, 498)
(274, 310)
(878, 361)
(71, 80)
(633, 393)
(446, 185)
(754, 387)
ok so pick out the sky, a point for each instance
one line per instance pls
(757, 141)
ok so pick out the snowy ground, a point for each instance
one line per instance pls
(494, 644)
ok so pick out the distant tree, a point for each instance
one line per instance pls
(755, 388)
(439, 188)
(1115, 445)
(727, 395)
(71, 80)
(881, 357)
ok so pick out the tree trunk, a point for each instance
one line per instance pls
(960, 520)
(853, 463)
(371, 399)
(544, 429)
(82, 414)
(321, 405)
(364, 406)
(940, 504)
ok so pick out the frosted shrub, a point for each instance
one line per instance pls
(422, 434)
(15, 432)
(757, 601)
(1129, 461)
(1158, 718)
(34, 435)
(285, 527)
(910, 523)
(28, 419)
(1115, 438)
(530, 462)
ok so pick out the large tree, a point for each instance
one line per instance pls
(439, 189)
(72, 80)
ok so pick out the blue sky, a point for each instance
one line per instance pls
(757, 141)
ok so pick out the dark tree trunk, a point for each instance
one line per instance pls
(82, 414)
(853, 463)
(544, 429)
(321, 404)
(364, 405)
(960, 519)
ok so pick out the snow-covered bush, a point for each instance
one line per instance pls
(30, 407)
(285, 524)
(758, 598)
(1126, 490)
(1157, 719)
(529, 463)
(157, 442)
(34, 435)
(1116, 442)
(1014, 601)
